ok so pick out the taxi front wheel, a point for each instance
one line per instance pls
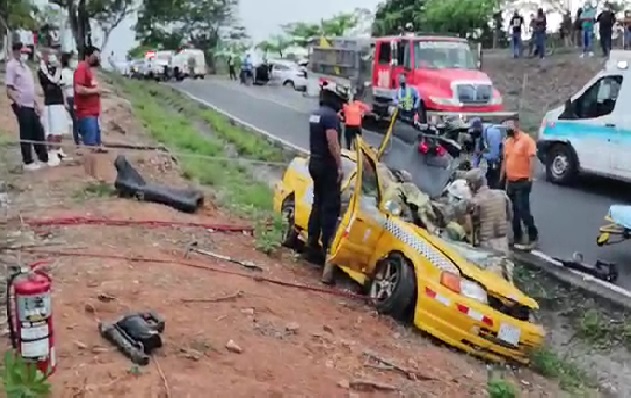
(289, 233)
(393, 288)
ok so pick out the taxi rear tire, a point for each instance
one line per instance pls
(402, 288)
(561, 164)
(288, 212)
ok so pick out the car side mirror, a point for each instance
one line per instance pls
(568, 105)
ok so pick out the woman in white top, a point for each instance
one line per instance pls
(68, 65)
(54, 117)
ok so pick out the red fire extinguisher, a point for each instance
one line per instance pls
(30, 316)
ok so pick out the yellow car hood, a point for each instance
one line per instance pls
(473, 263)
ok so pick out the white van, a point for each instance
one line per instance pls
(180, 63)
(591, 133)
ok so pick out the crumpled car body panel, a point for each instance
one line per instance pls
(500, 328)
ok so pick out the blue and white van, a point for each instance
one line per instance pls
(591, 133)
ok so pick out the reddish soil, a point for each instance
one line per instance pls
(291, 342)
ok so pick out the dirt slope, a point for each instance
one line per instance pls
(532, 87)
(291, 342)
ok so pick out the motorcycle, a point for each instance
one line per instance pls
(434, 142)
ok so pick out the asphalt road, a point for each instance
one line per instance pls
(567, 217)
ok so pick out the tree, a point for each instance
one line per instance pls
(440, 16)
(338, 25)
(198, 22)
(16, 14)
(106, 13)
(457, 16)
(300, 32)
(394, 14)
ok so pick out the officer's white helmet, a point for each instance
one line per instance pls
(458, 190)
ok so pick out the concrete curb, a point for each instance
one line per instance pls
(593, 287)
(536, 261)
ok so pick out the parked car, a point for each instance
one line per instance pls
(450, 289)
(288, 73)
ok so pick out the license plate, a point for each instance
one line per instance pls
(509, 334)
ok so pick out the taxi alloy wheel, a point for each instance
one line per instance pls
(289, 233)
(393, 287)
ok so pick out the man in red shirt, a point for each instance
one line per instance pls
(87, 98)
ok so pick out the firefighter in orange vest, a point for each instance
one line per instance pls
(352, 115)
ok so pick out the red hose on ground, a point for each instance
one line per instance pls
(258, 278)
(83, 220)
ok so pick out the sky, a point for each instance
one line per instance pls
(261, 18)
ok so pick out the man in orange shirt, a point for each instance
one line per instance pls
(352, 114)
(518, 170)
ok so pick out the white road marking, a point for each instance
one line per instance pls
(304, 151)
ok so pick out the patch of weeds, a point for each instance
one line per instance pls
(22, 379)
(236, 188)
(596, 328)
(501, 388)
(550, 365)
(269, 234)
(5, 139)
(94, 190)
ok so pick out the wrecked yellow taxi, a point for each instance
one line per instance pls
(408, 272)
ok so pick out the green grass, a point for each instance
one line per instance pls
(171, 120)
(501, 388)
(569, 376)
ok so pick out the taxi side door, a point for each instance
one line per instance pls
(363, 223)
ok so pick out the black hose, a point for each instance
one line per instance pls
(12, 336)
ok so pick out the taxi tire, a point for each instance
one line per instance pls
(402, 299)
(290, 240)
(572, 170)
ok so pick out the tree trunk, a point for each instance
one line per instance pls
(79, 23)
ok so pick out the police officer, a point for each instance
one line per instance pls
(488, 146)
(408, 100)
(325, 168)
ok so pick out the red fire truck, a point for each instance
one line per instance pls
(444, 69)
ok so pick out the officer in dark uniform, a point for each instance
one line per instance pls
(325, 168)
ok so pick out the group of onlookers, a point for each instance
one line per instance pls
(71, 93)
(577, 31)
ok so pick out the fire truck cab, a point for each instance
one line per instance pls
(445, 71)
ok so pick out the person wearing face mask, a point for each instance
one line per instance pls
(518, 171)
(325, 169)
(21, 92)
(87, 99)
(54, 117)
(408, 100)
(68, 66)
